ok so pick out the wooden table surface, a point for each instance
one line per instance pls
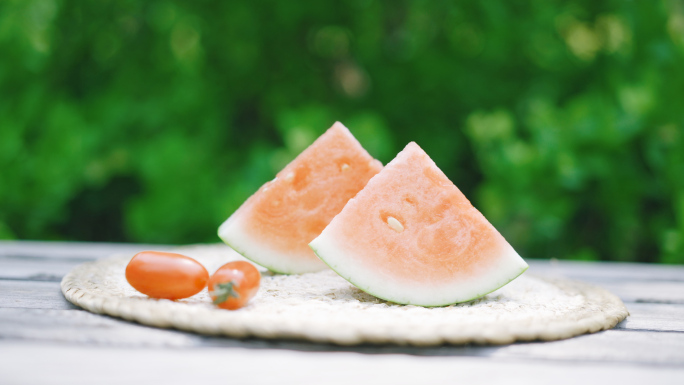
(45, 339)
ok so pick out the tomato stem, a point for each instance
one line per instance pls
(225, 291)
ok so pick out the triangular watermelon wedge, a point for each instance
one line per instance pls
(274, 226)
(411, 237)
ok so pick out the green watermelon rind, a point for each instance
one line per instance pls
(242, 252)
(232, 233)
(258, 261)
(369, 291)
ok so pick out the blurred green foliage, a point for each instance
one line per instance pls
(152, 121)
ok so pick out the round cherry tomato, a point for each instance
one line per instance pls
(234, 284)
(166, 275)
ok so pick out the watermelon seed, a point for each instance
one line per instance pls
(394, 224)
(344, 167)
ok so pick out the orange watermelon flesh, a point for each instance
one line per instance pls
(274, 226)
(411, 237)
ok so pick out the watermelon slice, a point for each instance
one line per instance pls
(274, 226)
(411, 237)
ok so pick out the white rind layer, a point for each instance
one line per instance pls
(376, 283)
(231, 232)
(235, 231)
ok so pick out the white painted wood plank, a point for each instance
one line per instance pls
(653, 317)
(606, 271)
(81, 327)
(71, 250)
(36, 268)
(638, 347)
(612, 346)
(646, 292)
(32, 295)
(50, 261)
(42, 363)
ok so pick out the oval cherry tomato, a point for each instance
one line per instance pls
(166, 275)
(234, 284)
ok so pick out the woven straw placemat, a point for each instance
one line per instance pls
(323, 307)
